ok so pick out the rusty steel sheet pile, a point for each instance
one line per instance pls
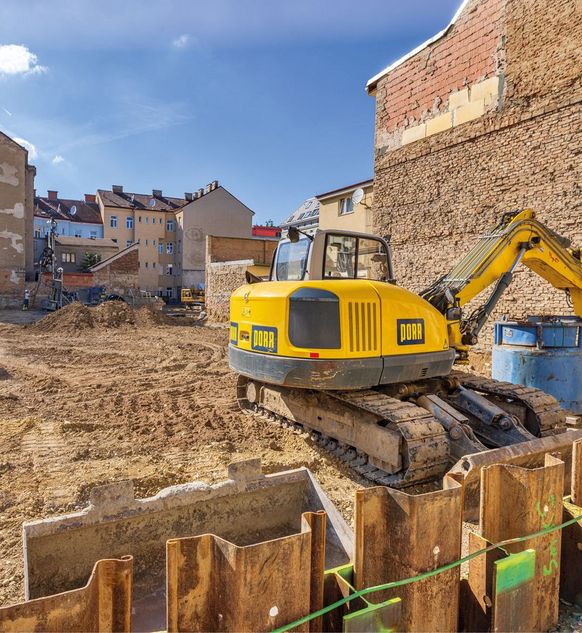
(251, 554)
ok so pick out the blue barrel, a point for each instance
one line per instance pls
(542, 352)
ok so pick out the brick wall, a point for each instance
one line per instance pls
(435, 196)
(121, 274)
(224, 249)
(221, 279)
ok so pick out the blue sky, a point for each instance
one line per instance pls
(267, 96)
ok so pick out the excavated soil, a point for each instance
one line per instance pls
(93, 395)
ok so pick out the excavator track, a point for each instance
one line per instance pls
(424, 444)
(543, 415)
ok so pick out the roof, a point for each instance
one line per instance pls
(110, 260)
(335, 192)
(187, 203)
(60, 209)
(143, 201)
(371, 85)
(64, 240)
(307, 212)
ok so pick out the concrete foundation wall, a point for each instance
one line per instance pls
(436, 195)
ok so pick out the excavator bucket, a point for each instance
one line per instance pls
(467, 471)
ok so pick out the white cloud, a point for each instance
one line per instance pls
(7, 112)
(18, 60)
(57, 159)
(182, 41)
(32, 151)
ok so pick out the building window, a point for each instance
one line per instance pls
(146, 242)
(170, 248)
(93, 235)
(170, 225)
(154, 242)
(36, 232)
(169, 269)
(147, 219)
(139, 219)
(68, 258)
(129, 222)
(146, 264)
(160, 220)
(153, 264)
(113, 221)
(128, 243)
(346, 205)
(160, 248)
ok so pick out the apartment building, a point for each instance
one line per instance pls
(16, 207)
(347, 208)
(305, 217)
(171, 232)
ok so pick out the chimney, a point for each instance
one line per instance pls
(52, 195)
(189, 196)
(200, 192)
(208, 188)
(214, 184)
(90, 197)
(157, 193)
(117, 188)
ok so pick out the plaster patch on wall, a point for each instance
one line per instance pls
(14, 277)
(17, 211)
(8, 174)
(15, 240)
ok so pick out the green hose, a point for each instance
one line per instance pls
(426, 574)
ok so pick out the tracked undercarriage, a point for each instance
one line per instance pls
(408, 433)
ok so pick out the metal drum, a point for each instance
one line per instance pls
(542, 352)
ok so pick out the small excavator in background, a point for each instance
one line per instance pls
(330, 345)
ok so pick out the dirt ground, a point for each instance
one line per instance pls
(82, 405)
(91, 396)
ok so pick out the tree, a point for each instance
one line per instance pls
(90, 260)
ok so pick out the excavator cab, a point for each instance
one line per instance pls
(332, 254)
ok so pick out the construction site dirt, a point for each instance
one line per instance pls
(88, 397)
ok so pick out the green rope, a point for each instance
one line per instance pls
(426, 574)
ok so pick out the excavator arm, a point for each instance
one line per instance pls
(518, 238)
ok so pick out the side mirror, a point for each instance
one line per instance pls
(293, 234)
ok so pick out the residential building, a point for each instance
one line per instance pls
(306, 217)
(70, 252)
(16, 213)
(212, 211)
(347, 208)
(482, 118)
(74, 218)
(150, 221)
(268, 231)
(171, 232)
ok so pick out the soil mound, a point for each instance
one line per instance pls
(113, 314)
(76, 317)
(71, 318)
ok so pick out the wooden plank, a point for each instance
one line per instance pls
(399, 535)
(518, 501)
(213, 585)
(103, 604)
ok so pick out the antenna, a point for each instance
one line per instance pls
(357, 196)
(73, 210)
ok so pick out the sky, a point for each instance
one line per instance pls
(265, 96)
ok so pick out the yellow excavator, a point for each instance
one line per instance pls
(331, 346)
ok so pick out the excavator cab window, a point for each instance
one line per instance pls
(291, 260)
(351, 257)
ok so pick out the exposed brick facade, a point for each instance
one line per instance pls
(119, 275)
(436, 195)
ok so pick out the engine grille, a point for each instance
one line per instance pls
(363, 326)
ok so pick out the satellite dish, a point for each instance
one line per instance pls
(357, 196)
(73, 209)
(152, 203)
